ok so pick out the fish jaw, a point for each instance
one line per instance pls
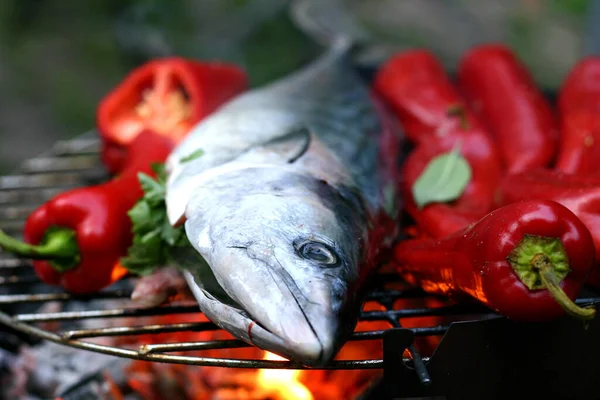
(240, 324)
(294, 316)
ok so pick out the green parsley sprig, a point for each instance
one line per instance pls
(154, 239)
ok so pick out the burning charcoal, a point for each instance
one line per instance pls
(92, 387)
(154, 381)
(234, 394)
(50, 369)
(224, 377)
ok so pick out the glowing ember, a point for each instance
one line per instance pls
(282, 383)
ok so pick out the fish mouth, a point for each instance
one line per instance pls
(292, 335)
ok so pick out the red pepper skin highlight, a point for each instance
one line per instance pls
(500, 89)
(417, 88)
(474, 261)
(98, 216)
(168, 96)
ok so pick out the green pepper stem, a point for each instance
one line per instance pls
(542, 263)
(58, 246)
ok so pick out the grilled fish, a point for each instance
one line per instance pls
(289, 206)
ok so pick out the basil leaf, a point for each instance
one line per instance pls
(443, 180)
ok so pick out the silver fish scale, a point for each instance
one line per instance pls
(328, 97)
(335, 103)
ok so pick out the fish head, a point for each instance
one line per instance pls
(286, 248)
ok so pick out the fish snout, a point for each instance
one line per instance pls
(297, 312)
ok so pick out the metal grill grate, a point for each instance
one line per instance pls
(75, 163)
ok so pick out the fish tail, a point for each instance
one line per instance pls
(329, 23)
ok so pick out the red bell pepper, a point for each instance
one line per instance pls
(168, 96)
(503, 92)
(77, 238)
(527, 261)
(419, 91)
(580, 194)
(441, 219)
(579, 149)
(579, 105)
(581, 87)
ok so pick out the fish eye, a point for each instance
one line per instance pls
(318, 252)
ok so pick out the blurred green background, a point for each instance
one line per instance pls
(59, 57)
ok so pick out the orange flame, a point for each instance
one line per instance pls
(282, 383)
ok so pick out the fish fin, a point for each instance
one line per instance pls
(284, 149)
(201, 276)
(177, 199)
(333, 22)
(292, 145)
(327, 22)
(287, 148)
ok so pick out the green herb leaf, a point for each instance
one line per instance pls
(169, 234)
(160, 171)
(196, 154)
(141, 217)
(443, 180)
(151, 238)
(154, 191)
(155, 242)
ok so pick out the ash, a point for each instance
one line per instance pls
(49, 370)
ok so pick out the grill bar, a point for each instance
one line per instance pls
(13, 263)
(209, 326)
(44, 297)
(391, 315)
(79, 146)
(395, 294)
(40, 181)
(18, 280)
(191, 346)
(116, 313)
(140, 330)
(17, 212)
(58, 165)
(27, 196)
